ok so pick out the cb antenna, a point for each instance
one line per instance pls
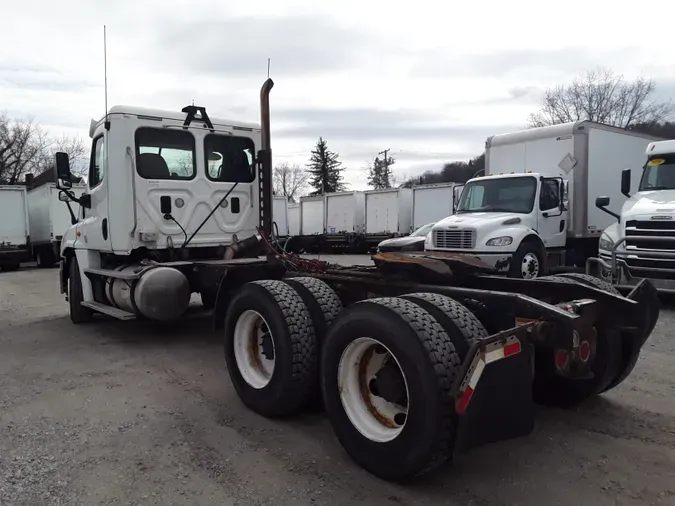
(105, 78)
(269, 61)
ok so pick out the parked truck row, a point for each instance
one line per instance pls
(357, 221)
(34, 223)
(416, 359)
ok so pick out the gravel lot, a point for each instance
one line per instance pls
(132, 413)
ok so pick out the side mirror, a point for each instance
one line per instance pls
(456, 195)
(62, 166)
(602, 203)
(63, 197)
(625, 182)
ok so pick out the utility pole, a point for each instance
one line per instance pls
(385, 172)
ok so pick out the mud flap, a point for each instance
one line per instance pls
(501, 406)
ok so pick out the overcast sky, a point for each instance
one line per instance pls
(429, 80)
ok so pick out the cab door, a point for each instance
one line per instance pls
(94, 229)
(552, 220)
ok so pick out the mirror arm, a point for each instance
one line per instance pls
(73, 219)
(611, 213)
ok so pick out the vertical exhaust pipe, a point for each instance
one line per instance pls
(265, 160)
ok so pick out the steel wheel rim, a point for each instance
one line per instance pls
(252, 341)
(529, 267)
(374, 417)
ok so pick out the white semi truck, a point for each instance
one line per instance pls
(641, 241)
(534, 210)
(415, 359)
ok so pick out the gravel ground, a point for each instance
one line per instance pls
(136, 413)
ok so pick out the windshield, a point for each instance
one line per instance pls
(659, 173)
(511, 195)
(423, 230)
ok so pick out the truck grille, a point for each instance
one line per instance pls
(454, 239)
(654, 229)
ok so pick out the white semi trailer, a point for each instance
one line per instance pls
(14, 227)
(49, 219)
(412, 362)
(535, 208)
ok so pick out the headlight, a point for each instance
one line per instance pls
(500, 241)
(606, 242)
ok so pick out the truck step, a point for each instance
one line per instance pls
(109, 310)
(129, 276)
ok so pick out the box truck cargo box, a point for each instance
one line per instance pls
(293, 211)
(280, 215)
(431, 203)
(312, 215)
(388, 212)
(345, 213)
(14, 228)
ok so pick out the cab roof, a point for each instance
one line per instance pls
(660, 148)
(162, 114)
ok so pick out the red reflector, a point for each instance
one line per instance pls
(584, 351)
(561, 359)
(464, 401)
(512, 349)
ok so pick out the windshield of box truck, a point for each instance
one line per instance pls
(507, 195)
(658, 173)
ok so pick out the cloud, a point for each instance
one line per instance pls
(240, 46)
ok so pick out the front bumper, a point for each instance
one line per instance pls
(627, 267)
(500, 261)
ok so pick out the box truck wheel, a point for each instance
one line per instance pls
(78, 313)
(270, 348)
(553, 389)
(528, 261)
(387, 369)
(459, 323)
(45, 258)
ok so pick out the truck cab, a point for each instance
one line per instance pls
(164, 188)
(641, 243)
(508, 221)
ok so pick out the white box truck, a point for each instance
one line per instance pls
(345, 213)
(535, 208)
(280, 215)
(640, 241)
(14, 228)
(293, 219)
(312, 221)
(388, 213)
(49, 219)
(433, 202)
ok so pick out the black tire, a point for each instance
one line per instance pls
(553, 390)
(45, 258)
(295, 348)
(524, 250)
(324, 306)
(429, 363)
(78, 313)
(11, 267)
(589, 280)
(323, 303)
(459, 323)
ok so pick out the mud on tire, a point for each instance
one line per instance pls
(429, 363)
(287, 330)
(457, 320)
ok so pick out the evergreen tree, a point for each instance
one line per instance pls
(325, 170)
(379, 173)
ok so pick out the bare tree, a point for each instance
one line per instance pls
(604, 97)
(291, 181)
(22, 147)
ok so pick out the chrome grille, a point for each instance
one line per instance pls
(649, 228)
(454, 239)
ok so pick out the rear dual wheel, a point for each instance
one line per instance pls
(386, 372)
